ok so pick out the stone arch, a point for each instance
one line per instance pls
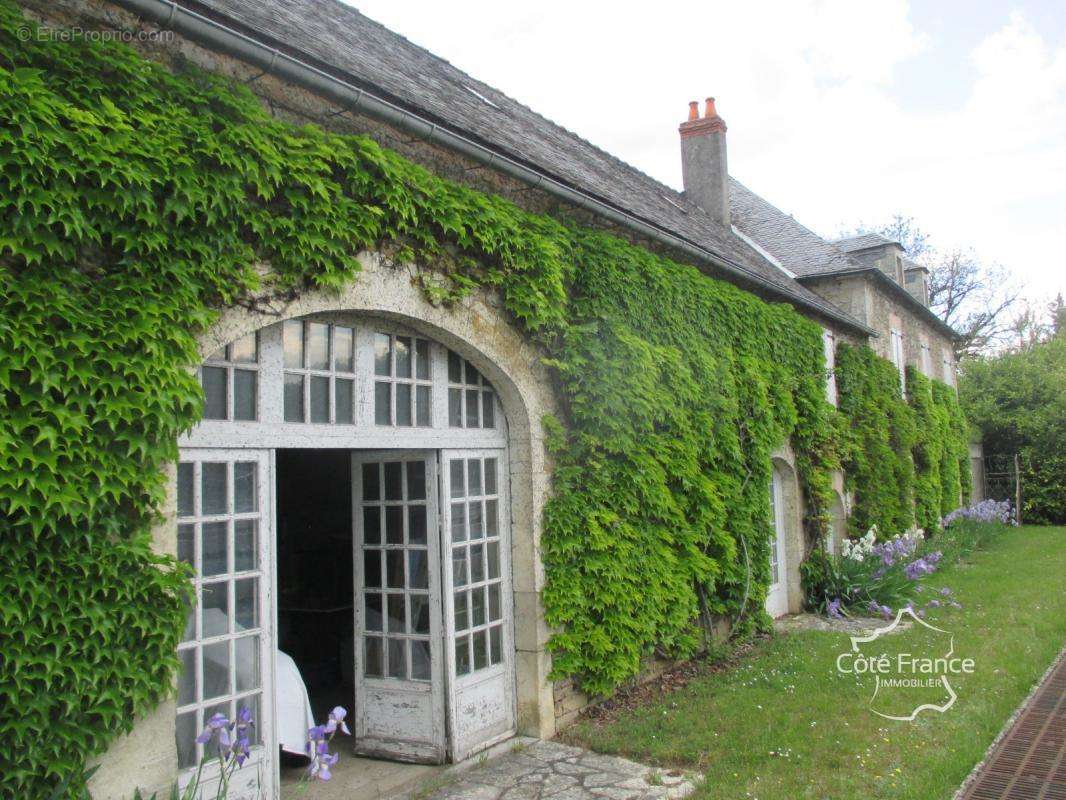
(784, 471)
(478, 329)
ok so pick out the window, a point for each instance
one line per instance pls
(897, 358)
(829, 342)
(319, 372)
(949, 370)
(775, 522)
(402, 381)
(218, 534)
(340, 375)
(927, 358)
(477, 580)
(396, 527)
(230, 381)
(471, 400)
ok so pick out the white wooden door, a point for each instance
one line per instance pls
(399, 671)
(477, 600)
(777, 595)
(225, 532)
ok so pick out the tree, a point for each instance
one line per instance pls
(1017, 398)
(1031, 326)
(971, 296)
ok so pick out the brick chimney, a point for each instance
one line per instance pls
(703, 161)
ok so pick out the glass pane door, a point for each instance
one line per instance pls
(477, 600)
(399, 675)
(777, 593)
(226, 654)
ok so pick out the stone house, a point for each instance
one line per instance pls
(868, 276)
(371, 421)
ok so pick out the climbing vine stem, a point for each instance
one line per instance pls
(135, 202)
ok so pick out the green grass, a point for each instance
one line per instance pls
(782, 723)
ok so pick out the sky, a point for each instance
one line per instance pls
(840, 112)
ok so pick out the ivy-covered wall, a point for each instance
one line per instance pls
(941, 451)
(878, 464)
(906, 459)
(135, 202)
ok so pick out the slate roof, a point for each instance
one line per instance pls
(806, 254)
(851, 244)
(799, 249)
(340, 40)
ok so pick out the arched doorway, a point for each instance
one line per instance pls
(786, 551)
(352, 438)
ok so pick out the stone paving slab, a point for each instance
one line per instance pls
(551, 770)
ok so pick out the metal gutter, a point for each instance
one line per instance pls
(215, 36)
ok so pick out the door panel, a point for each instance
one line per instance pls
(477, 600)
(399, 676)
(225, 531)
(777, 594)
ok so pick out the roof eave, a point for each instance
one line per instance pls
(298, 67)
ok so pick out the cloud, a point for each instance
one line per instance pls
(818, 123)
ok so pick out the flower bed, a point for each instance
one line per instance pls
(878, 577)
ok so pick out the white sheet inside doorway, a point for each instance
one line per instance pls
(294, 715)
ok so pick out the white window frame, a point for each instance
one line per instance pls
(394, 381)
(829, 345)
(330, 374)
(259, 774)
(270, 430)
(462, 388)
(222, 359)
(898, 359)
(949, 370)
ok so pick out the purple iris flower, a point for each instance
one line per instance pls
(986, 511)
(318, 739)
(242, 745)
(219, 726)
(327, 761)
(834, 609)
(917, 611)
(314, 735)
(336, 720)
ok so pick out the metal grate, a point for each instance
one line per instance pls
(1029, 763)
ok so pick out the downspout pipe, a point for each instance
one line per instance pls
(168, 15)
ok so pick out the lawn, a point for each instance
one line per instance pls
(783, 723)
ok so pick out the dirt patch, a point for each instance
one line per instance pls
(634, 696)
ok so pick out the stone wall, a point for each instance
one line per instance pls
(861, 296)
(146, 759)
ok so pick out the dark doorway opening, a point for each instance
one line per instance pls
(314, 572)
